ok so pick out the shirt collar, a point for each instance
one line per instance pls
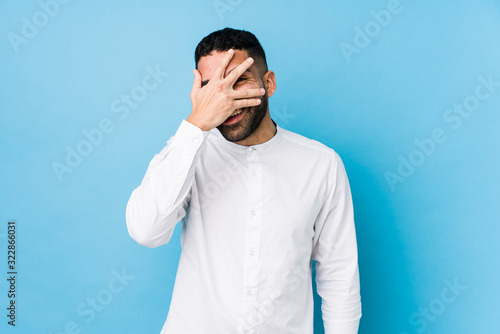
(243, 149)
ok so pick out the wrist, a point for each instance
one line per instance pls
(197, 123)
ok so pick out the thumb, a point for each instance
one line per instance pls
(197, 79)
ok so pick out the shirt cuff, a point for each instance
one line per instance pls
(347, 327)
(189, 137)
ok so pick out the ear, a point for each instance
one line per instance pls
(269, 83)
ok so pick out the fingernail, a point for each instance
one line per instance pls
(250, 59)
(230, 51)
(262, 90)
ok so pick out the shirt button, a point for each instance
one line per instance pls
(254, 173)
(196, 142)
(251, 253)
(251, 149)
(253, 212)
(249, 292)
(180, 177)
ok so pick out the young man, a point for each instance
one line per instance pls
(256, 202)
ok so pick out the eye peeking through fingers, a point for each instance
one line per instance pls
(240, 82)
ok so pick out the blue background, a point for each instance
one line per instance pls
(437, 228)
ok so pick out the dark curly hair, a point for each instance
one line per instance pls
(228, 38)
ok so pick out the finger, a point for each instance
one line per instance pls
(221, 67)
(246, 93)
(246, 103)
(197, 79)
(238, 71)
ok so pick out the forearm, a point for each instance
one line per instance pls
(155, 207)
(338, 286)
(337, 274)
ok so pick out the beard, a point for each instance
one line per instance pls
(251, 120)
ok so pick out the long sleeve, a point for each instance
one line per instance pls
(335, 250)
(155, 207)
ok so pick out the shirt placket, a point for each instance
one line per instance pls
(253, 231)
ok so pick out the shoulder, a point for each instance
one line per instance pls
(309, 148)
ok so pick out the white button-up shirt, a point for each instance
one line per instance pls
(252, 219)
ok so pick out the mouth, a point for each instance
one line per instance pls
(235, 116)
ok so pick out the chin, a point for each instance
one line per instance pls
(235, 132)
(247, 125)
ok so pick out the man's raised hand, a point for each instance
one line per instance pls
(217, 100)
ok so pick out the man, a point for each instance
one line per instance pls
(257, 204)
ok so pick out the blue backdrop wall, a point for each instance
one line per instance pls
(407, 92)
